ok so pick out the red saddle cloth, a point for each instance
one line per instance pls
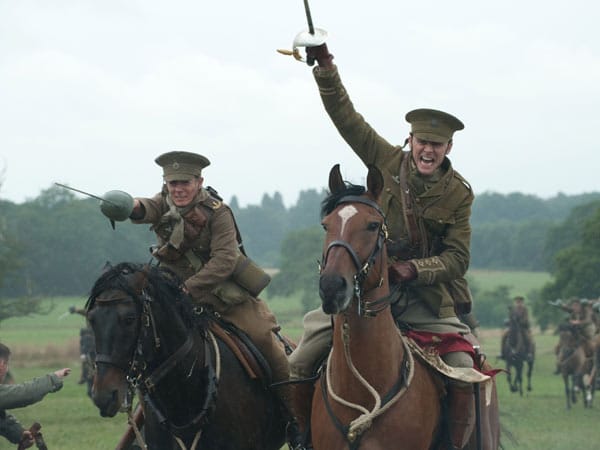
(442, 343)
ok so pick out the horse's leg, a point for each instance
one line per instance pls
(574, 388)
(520, 376)
(509, 374)
(529, 372)
(567, 390)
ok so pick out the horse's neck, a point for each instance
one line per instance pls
(371, 342)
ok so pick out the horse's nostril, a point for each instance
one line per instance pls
(330, 285)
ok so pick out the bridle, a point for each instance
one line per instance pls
(365, 308)
(358, 426)
(139, 378)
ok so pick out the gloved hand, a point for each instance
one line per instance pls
(320, 54)
(402, 271)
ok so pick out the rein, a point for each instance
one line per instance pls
(353, 432)
(362, 423)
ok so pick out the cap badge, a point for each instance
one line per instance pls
(175, 165)
(434, 123)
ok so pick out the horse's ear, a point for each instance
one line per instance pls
(107, 267)
(336, 183)
(139, 280)
(375, 182)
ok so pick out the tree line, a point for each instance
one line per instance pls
(57, 244)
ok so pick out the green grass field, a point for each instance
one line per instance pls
(538, 420)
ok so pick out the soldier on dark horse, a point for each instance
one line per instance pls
(519, 315)
(198, 239)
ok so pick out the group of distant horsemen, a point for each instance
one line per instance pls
(581, 326)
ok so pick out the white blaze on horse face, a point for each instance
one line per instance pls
(345, 214)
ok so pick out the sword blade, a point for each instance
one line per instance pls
(85, 193)
(311, 28)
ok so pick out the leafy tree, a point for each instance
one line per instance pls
(575, 267)
(491, 307)
(9, 250)
(65, 243)
(306, 212)
(300, 252)
(23, 306)
(10, 262)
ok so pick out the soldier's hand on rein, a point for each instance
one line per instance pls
(402, 271)
(320, 54)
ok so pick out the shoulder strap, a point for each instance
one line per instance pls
(414, 235)
(215, 201)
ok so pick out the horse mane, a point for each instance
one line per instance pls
(164, 287)
(331, 201)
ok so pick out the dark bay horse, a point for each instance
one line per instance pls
(575, 367)
(516, 355)
(193, 389)
(373, 393)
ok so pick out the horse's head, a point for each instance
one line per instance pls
(123, 310)
(354, 258)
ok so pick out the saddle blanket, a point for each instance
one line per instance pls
(429, 347)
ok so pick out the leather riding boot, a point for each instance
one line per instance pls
(461, 410)
(296, 435)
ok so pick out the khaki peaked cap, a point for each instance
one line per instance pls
(182, 166)
(433, 125)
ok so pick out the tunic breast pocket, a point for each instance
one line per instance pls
(201, 244)
(437, 219)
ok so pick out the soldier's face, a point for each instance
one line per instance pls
(182, 192)
(428, 155)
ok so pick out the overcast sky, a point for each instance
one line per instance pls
(92, 91)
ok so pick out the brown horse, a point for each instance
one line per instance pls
(575, 367)
(516, 355)
(373, 394)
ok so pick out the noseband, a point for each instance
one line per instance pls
(367, 309)
(134, 367)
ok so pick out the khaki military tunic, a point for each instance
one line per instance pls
(204, 257)
(20, 395)
(442, 205)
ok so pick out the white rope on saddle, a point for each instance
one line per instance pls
(364, 421)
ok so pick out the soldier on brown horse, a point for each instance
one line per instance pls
(576, 350)
(374, 392)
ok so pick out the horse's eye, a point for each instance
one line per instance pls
(373, 226)
(324, 226)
